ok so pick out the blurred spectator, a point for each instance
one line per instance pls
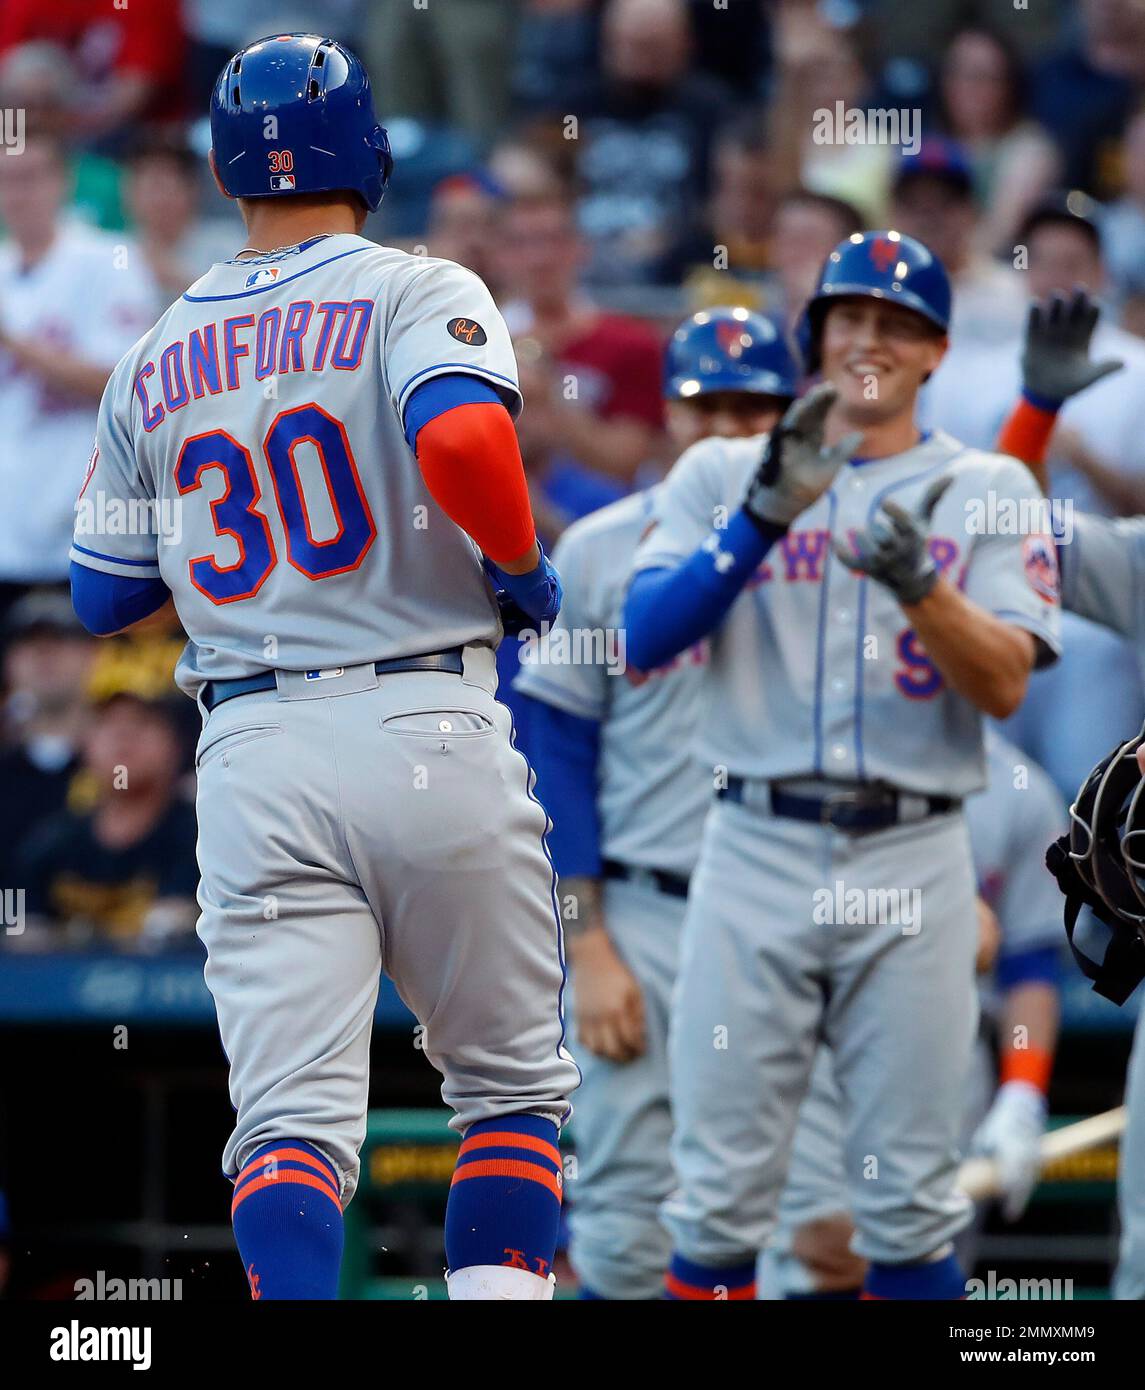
(817, 68)
(808, 227)
(69, 309)
(1123, 222)
(217, 29)
(162, 192)
(1100, 439)
(643, 145)
(735, 235)
(731, 42)
(40, 80)
(123, 871)
(129, 61)
(463, 223)
(1013, 161)
(593, 410)
(933, 200)
(1084, 95)
(556, 55)
(47, 659)
(448, 61)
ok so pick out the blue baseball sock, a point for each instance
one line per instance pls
(687, 1280)
(505, 1202)
(288, 1222)
(934, 1279)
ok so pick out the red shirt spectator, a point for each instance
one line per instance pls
(130, 60)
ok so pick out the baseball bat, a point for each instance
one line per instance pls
(979, 1178)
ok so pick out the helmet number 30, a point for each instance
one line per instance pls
(281, 161)
(235, 512)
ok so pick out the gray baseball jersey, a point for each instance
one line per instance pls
(816, 670)
(652, 795)
(250, 451)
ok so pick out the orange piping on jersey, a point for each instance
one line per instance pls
(471, 463)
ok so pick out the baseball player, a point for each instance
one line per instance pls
(627, 803)
(1103, 579)
(861, 624)
(1004, 1103)
(330, 422)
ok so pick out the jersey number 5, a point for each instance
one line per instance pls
(235, 513)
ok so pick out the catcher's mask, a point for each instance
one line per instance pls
(1098, 865)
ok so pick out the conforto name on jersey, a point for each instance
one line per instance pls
(300, 337)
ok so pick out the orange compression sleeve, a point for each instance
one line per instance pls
(471, 463)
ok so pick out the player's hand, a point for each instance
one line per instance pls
(1011, 1134)
(989, 937)
(606, 997)
(527, 600)
(797, 467)
(894, 547)
(1055, 358)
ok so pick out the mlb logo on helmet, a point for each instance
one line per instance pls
(883, 252)
(266, 276)
(282, 183)
(731, 338)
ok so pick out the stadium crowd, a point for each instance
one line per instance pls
(607, 166)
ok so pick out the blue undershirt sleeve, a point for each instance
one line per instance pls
(565, 749)
(668, 610)
(441, 393)
(107, 603)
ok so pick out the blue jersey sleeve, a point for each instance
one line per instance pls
(565, 749)
(107, 603)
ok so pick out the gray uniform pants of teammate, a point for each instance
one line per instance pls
(1129, 1281)
(817, 1185)
(760, 982)
(363, 823)
(623, 1117)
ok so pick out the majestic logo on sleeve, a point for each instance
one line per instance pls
(467, 331)
(1041, 562)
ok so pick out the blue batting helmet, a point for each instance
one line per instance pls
(729, 350)
(878, 265)
(294, 113)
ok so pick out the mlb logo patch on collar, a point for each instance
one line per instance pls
(325, 673)
(267, 276)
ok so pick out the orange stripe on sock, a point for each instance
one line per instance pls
(498, 1139)
(696, 1292)
(284, 1156)
(509, 1168)
(287, 1177)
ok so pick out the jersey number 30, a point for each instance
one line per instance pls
(235, 513)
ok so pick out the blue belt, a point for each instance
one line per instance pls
(875, 807)
(214, 693)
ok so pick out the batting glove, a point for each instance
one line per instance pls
(526, 600)
(893, 547)
(1011, 1134)
(797, 467)
(1055, 359)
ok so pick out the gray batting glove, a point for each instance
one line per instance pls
(797, 467)
(893, 548)
(1055, 359)
(1011, 1134)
